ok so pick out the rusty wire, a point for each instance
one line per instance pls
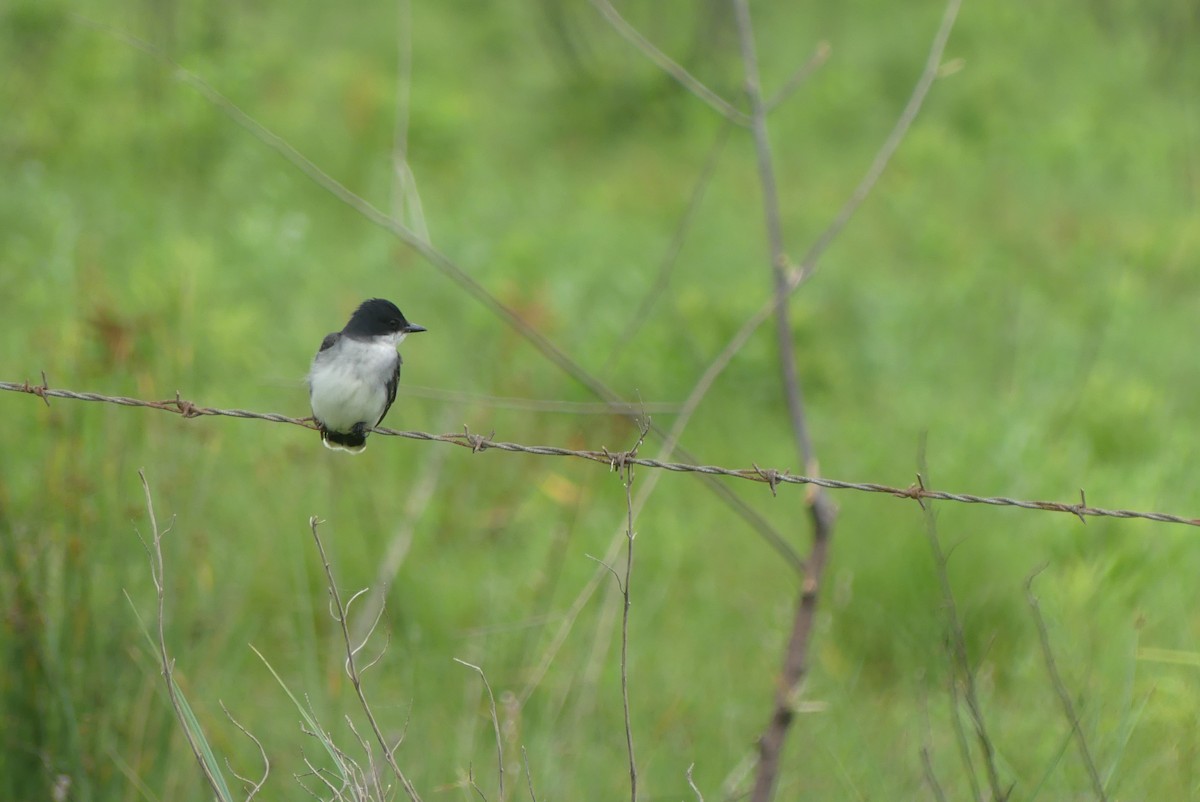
(617, 459)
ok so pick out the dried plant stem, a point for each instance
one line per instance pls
(692, 784)
(495, 724)
(352, 670)
(821, 510)
(808, 264)
(528, 775)
(625, 590)
(668, 65)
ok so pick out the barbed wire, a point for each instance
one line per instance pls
(616, 459)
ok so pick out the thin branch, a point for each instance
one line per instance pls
(800, 77)
(352, 670)
(625, 594)
(928, 75)
(528, 775)
(1064, 696)
(474, 785)
(771, 215)
(821, 510)
(495, 723)
(255, 785)
(623, 586)
(816, 251)
(771, 477)
(692, 784)
(672, 68)
(647, 489)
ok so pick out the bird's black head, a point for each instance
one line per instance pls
(377, 317)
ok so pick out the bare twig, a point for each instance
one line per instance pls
(254, 785)
(689, 81)
(528, 774)
(352, 670)
(647, 488)
(800, 77)
(821, 510)
(495, 724)
(928, 75)
(625, 593)
(692, 784)
(768, 476)
(958, 646)
(816, 251)
(474, 785)
(1064, 696)
(770, 201)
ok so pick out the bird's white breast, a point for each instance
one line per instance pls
(348, 382)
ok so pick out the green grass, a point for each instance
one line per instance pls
(1020, 286)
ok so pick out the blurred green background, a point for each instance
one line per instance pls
(1022, 285)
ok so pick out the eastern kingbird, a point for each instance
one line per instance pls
(353, 378)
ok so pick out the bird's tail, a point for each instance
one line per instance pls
(353, 442)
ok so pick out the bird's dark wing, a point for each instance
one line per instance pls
(329, 341)
(391, 390)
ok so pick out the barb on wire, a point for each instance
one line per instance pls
(768, 476)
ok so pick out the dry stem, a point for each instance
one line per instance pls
(352, 670)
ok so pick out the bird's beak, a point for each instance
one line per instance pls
(413, 328)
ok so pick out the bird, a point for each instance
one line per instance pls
(353, 378)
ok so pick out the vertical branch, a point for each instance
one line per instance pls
(495, 724)
(528, 775)
(352, 670)
(692, 784)
(621, 463)
(821, 510)
(629, 535)
(1060, 688)
(770, 198)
